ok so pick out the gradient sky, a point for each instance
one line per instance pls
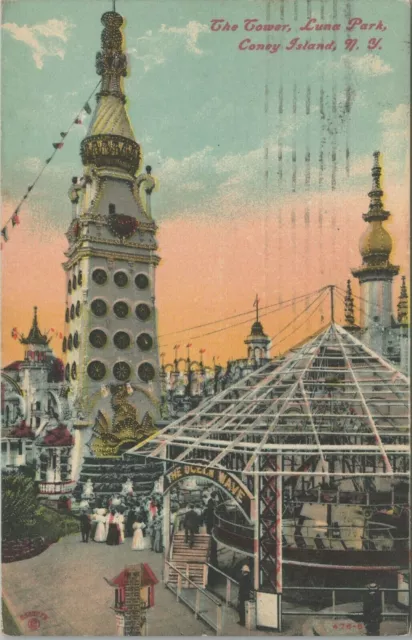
(221, 128)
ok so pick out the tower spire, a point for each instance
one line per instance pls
(349, 306)
(403, 304)
(35, 336)
(376, 243)
(110, 141)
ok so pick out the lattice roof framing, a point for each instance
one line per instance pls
(329, 398)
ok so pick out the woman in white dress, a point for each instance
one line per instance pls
(138, 539)
(101, 534)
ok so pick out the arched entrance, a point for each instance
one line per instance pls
(228, 483)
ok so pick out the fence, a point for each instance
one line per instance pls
(204, 605)
(329, 599)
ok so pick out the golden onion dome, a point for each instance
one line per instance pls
(375, 241)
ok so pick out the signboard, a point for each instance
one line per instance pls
(228, 482)
(267, 610)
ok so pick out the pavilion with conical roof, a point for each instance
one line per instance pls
(331, 415)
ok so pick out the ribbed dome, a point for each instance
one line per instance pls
(257, 329)
(375, 242)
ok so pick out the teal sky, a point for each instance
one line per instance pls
(197, 103)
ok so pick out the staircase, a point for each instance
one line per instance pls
(192, 562)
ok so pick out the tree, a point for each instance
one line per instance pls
(18, 505)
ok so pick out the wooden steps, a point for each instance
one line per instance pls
(192, 562)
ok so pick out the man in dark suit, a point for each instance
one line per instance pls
(372, 610)
(245, 587)
(191, 524)
(85, 526)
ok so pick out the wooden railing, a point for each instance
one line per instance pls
(213, 621)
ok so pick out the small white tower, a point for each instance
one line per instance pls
(258, 343)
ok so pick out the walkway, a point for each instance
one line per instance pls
(66, 583)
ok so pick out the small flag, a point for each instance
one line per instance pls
(52, 330)
(15, 219)
(14, 332)
(78, 121)
(63, 134)
(256, 302)
(202, 350)
(189, 345)
(5, 234)
(60, 335)
(57, 145)
(176, 346)
(87, 108)
(48, 160)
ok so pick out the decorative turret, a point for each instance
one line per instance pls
(403, 304)
(35, 336)
(257, 342)
(110, 140)
(375, 245)
(349, 306)
(376, 272)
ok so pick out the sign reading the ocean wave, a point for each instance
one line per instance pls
(228, 482)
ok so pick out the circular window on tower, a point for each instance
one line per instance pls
(122, 371)
(70, 342)
(99, 307)
(72, 312)
(74, 282)
(143, 311)
(78, 309)
(67, 315)
(121, 309)
(99, 276)
(141, 281)
(121, 340)
(146, 372)
(96, 370)
(98, 338)
(144, 341)
(64, 346)
(121, 279)
(76, 340)
(74, 371)
(67, 372)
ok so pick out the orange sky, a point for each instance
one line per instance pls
(211, 268)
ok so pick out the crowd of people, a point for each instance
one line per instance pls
(124, 517)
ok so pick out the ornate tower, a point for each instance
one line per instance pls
(257, 342)
(110, 340)
(35, 371)
(376, 272)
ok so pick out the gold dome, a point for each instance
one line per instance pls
(375, 242)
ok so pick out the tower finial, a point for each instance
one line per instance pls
(256, 304)
(403, 304)
(349, 306)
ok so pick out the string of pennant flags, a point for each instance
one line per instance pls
(15, 217)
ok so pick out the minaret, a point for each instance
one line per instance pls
(376, 272)
(257, 342)
(403, 319)
(350, 324)
(111, 335)
(35, 371)
(403, 305)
